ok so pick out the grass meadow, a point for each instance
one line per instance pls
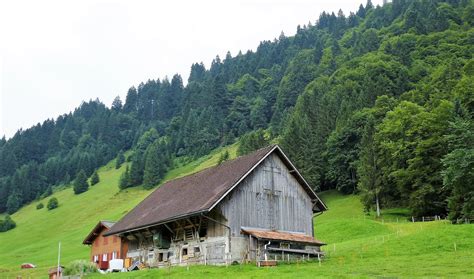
(359, 246)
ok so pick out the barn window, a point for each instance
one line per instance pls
(197, 249)
(160, 257)
(185, 252)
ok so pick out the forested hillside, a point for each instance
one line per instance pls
(379, 101)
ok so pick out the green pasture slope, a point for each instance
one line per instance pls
(358, 246)
(38, 232)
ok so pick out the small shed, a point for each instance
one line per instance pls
(104, 248)
(55, 271)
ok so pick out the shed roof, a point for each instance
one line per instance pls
(96, 231)
(282, 235)
(200, 192)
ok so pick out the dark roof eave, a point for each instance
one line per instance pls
(111, 232)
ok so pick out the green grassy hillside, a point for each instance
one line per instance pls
(358, 245)
(38, 232)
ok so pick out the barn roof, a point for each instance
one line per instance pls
(201, 192)
(282, 236)
(96, 231)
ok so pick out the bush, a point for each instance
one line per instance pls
(95, 178)
(223, 157)
(52, 203)
(79, 267)
(80, 183)
(39, 205)
(7, 224)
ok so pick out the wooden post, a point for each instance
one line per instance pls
(423, 218)
(59, 259)
(413, 219)
(319, 259)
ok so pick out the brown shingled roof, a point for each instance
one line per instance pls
(281, 235)
(196, 193)
(96, 231)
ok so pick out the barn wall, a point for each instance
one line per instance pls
(255, 203)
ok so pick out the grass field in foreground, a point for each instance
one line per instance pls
(358, 247)
(38, 232)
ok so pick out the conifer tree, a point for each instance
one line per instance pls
(80, 183)
(125, 179)
(120, 159)
(95, 178)
(156, 164)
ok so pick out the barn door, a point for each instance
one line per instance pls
(271, 196)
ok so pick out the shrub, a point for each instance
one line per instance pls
(80, 183)
(79, 267)
(39, 205)
(7, 224)
(95, 178)
(52, 203)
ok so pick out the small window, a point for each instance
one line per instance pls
(185, 252)
(114, 255)
(170, 254)
(104, 257)
(160, 257)
(197, 249)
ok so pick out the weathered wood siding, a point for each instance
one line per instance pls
(269, 198)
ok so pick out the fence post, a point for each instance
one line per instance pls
(423, 218)
(413, 219)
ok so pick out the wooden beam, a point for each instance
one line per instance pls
(166, 226)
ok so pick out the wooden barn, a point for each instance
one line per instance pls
(105, 248)
(254, 207)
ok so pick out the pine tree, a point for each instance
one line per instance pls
(125, 179)
(13, 202)
(120, 159)
(136, 169)
(95, 178)
(80, 183)
(156, 164)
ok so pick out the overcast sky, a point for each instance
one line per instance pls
(55, 54)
